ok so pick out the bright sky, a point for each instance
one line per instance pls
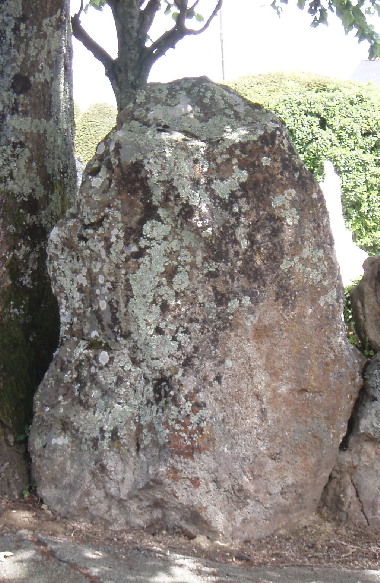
(255, 40)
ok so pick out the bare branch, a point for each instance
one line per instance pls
(81, 35)
(180, 24)
(167, 41)
(194, 5)
(171, 37)
(180, 4)
(111, 4)
(208, 21)
(148, 15)
(152, 5)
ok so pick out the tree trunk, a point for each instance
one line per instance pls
(130, 71)
(37, 184)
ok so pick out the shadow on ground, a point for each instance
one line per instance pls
(31, 557)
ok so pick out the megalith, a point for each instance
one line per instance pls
(203, 381)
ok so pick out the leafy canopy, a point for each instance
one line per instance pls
(334, 120)
(353, 15)
(169, 8)
(138, 51)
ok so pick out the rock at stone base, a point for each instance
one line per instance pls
(365, 300)
(203, 380)
(14, 476)
(353, 491)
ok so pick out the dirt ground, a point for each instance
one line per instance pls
(320, 542)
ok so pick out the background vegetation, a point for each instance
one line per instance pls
(334, 120)
(91, 127)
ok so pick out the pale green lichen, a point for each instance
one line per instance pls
(37, 183)
(330, 298)
(284, 205)
(225, 187)
(286, 264)
(103, 357)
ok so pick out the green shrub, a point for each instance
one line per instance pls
(334, 120)
(91, 127)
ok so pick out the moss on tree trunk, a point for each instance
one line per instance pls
(37, 184)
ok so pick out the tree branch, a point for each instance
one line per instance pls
(194, 5)
(81, 35)
(208, 21)
(148, 16)
(180, 24)
(171, 37)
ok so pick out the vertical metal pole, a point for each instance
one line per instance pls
(221, 41)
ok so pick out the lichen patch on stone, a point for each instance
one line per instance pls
(191, 278)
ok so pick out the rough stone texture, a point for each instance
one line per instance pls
(13, 471)
(37, 184)
(203, 380)
(353, 491)
(365, 300)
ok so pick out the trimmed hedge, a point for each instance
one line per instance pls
(91, 127)
(334, 120)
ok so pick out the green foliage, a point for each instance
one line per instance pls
(354, 17)
(134, 25)
(98, 4)
(31, 490)
(171, 7)
(334, 120)
(24, 436)
(91, 127)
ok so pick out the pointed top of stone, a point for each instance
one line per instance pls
(198, 107)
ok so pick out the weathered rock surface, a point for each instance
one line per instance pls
(37, 185)
(203, 380)
(365, 299)
(14, 475)
(353, 491)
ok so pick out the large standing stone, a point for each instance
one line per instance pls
(203, 380)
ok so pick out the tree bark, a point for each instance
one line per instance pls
(37, 184)
(129, 72)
